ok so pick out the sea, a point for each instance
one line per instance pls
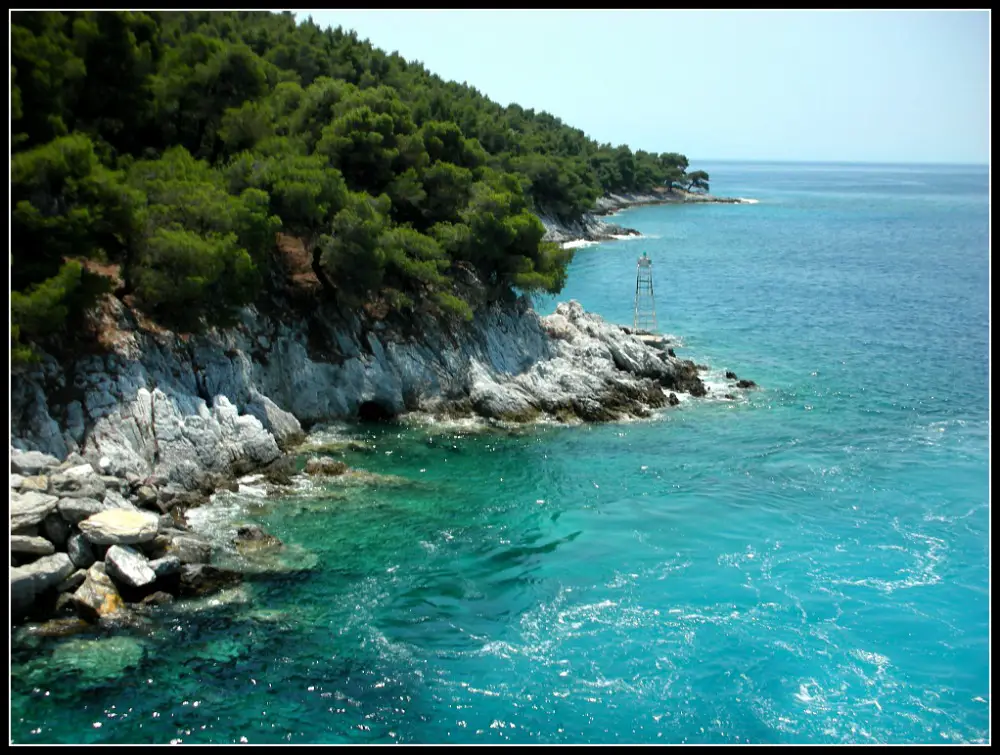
(805, 563)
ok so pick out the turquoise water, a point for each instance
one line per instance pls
(806, 565)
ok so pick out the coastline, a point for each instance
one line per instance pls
(111, 450)
(592, 229)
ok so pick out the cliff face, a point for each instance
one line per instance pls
(187, 410)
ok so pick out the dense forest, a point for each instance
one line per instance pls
(164, 156)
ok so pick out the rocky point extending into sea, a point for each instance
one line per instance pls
(590, 227)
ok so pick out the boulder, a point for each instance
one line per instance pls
(146, 497)
(31, 508)
(280, 471)
(116, 484)
(80, 551)
(75, 510)
(31, 546)
(746, 384)
(128, 566)
(73, 581)
(30, 580)
(283, 426)
(66, 485)
(730, 375)
(115, 500)
(38, 483)
(190, 549)
(31, 462)
(56, 529)
(16, 481)
(164, 567)
(72, 460)
(98, 597)
(322, 465)
(80, 471)
(120, 527)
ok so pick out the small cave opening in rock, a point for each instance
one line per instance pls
(373, 411)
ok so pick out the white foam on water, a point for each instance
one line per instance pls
(578, 244)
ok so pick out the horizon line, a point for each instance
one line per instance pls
(838, 162)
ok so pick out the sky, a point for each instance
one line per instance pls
(725, 85)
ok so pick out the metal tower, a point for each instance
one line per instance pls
(645, 306)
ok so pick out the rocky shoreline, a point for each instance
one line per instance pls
(593, 229)
(110, 450)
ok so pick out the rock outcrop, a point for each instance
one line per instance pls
(187, 413)
(590, 227)
(60, 555)
(158, 421)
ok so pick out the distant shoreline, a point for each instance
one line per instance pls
(611, 203)
(591, 229)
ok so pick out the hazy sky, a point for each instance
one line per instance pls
(864, 86)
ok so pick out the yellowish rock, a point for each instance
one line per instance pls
(120, 527)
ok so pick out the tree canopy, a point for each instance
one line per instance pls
(180, 146)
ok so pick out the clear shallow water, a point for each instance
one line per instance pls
(809, 564)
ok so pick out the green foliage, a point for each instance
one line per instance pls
(48, 308)
(186, 279)
(42, 310)
(65, 204)
(697, 180)
(452, 305)
(177, 145)
(303, 191)
(352, 256)
(199, 251)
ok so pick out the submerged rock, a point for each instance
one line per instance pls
(157, 598)
(201, 579)
(66, 627)
(99, 659)
(321, 465)
(250, 537)
(746, 384)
